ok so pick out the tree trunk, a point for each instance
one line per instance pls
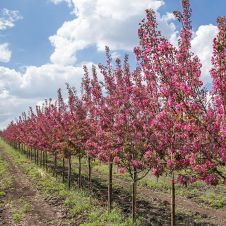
(173, 216)
(40, 162)
(46, 163)
(31, 154)
(37, 157)
(63, 171)
(44, 159)
(79, 171)
(55, 164)
(69, 173)
(89, 172)
(134, 195)
(110, 167)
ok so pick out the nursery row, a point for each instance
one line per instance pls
(156, 118)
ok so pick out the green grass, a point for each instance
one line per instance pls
(102, 218)
(18, 213)
(25, 206)
(77, 201)
(162, 184)
(2, 194)
(212, 199)
(5, 178)
(197, 191)
(16, 216)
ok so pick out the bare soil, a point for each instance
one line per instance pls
(153, 207)
(39, 212)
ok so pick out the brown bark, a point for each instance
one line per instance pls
(31, 154)
(69, 172)
(63, 171)
(55, 164)
(89, 173)
(110, 167)
(134, 195)
(37, 156)
(79, 171)
(46, 162)
(40, 162)
(173, 215)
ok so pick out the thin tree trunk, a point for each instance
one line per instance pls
(40, 162)
(46, 162)
(79, 171)
(36, 156)
(55, 164)
(89, 172)
(69, 173)
(110, 166)
(31, 154)
(43, 158)
(134, 195)
(173, 216)
(63, 171)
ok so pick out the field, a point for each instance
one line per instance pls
(30, 195)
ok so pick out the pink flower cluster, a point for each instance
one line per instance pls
(155, 118)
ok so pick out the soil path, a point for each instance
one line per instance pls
(39, 212)
(213, 216)
(154, 206)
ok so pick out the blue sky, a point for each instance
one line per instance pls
(203, 11)
(41, 19)
(29, 38)
(44, 43)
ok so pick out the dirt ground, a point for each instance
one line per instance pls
(153, 207)
(23, 196)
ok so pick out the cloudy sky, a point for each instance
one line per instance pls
(44, 43)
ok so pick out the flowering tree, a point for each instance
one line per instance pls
(155, 118)
(174, 74)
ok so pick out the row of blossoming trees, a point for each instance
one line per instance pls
(155, 118)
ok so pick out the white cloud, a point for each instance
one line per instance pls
(96, 22)
(56, 2)
(19, 90)
(8, 18)
(5, 53)
(48, 78)
(39, 82)
(100, 22)
(11, 107)
(202, 46)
